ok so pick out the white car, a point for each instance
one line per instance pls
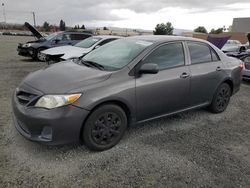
(80, 49)
(246, 67)
(233, 46)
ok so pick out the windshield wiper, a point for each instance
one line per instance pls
(92, 64)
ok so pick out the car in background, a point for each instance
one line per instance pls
(233, 46)
(78, 50)
(246, 67)
(126, 82)
(33, 48)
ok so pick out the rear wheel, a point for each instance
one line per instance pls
(221, 98)
(105, 127)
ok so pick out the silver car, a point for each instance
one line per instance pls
(246, 67)
(126, 82)
(63, 53)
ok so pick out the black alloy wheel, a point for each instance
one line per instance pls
(105, 127)
(221, 98)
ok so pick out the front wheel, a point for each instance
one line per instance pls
(39, 55)
(105, 127)
(221, 98)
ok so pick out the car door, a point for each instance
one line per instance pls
(168, 90)
(61, 40)
(206, 72)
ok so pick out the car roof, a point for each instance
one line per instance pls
(164, 38)
(107, 36)
(77, 32)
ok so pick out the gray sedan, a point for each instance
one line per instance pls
(126, 82)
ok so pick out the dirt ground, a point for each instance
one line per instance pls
(192, 149)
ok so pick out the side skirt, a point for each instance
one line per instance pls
(172, 113)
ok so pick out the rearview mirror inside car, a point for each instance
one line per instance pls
(149, 68)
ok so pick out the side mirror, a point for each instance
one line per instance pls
(97, 46)
(149, 68)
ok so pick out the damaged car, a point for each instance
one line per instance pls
(126, 82)
(33, 48)
(63, 53)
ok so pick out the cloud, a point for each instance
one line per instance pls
(111, 12)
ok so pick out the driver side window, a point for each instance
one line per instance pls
(167, 56)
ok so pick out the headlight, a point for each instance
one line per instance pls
(54, 101)
(27, 45)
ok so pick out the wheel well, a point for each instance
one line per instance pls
(115, 102)
(230, 83)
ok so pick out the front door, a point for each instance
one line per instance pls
(168, 90)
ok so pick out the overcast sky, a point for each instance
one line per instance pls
(144, 14)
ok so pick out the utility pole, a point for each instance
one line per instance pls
(4, 14)
(34, 18)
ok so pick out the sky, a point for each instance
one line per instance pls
(138, 14)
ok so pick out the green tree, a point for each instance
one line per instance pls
(62, 25)
(46, 26)
(200, 29)
(164, 29)
(82, 27)
(217, 31)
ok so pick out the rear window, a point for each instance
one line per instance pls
(79, 36)
(199, 53)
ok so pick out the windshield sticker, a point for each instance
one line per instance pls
(144, 43)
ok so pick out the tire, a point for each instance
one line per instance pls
(37, 53)
(221, 98)
(104, 127)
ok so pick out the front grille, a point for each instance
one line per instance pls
(25, 98)
(247, 65)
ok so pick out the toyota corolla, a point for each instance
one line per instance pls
(126, 82)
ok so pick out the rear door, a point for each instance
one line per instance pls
(206, 72)
(167, 91)
(77, 37)
(62, 39)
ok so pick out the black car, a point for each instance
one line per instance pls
(33, 48)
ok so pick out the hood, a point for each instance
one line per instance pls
(33, 30)
(67, 51)
(63, 77)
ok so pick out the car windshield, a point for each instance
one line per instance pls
(51, 36)
(117, 54)
(87, 43)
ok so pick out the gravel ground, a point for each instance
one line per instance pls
(193, 149)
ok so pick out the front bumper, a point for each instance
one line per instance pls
(53, 127)
(26, 52)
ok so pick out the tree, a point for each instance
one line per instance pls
(46, 26)
(217, 31)
(200, 29)
(164, 29)
(82, 27)
(105, 28)
(62, 25)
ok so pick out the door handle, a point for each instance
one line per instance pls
(184, 75)
(218, 69)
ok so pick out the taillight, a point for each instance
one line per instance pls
(241, 66)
